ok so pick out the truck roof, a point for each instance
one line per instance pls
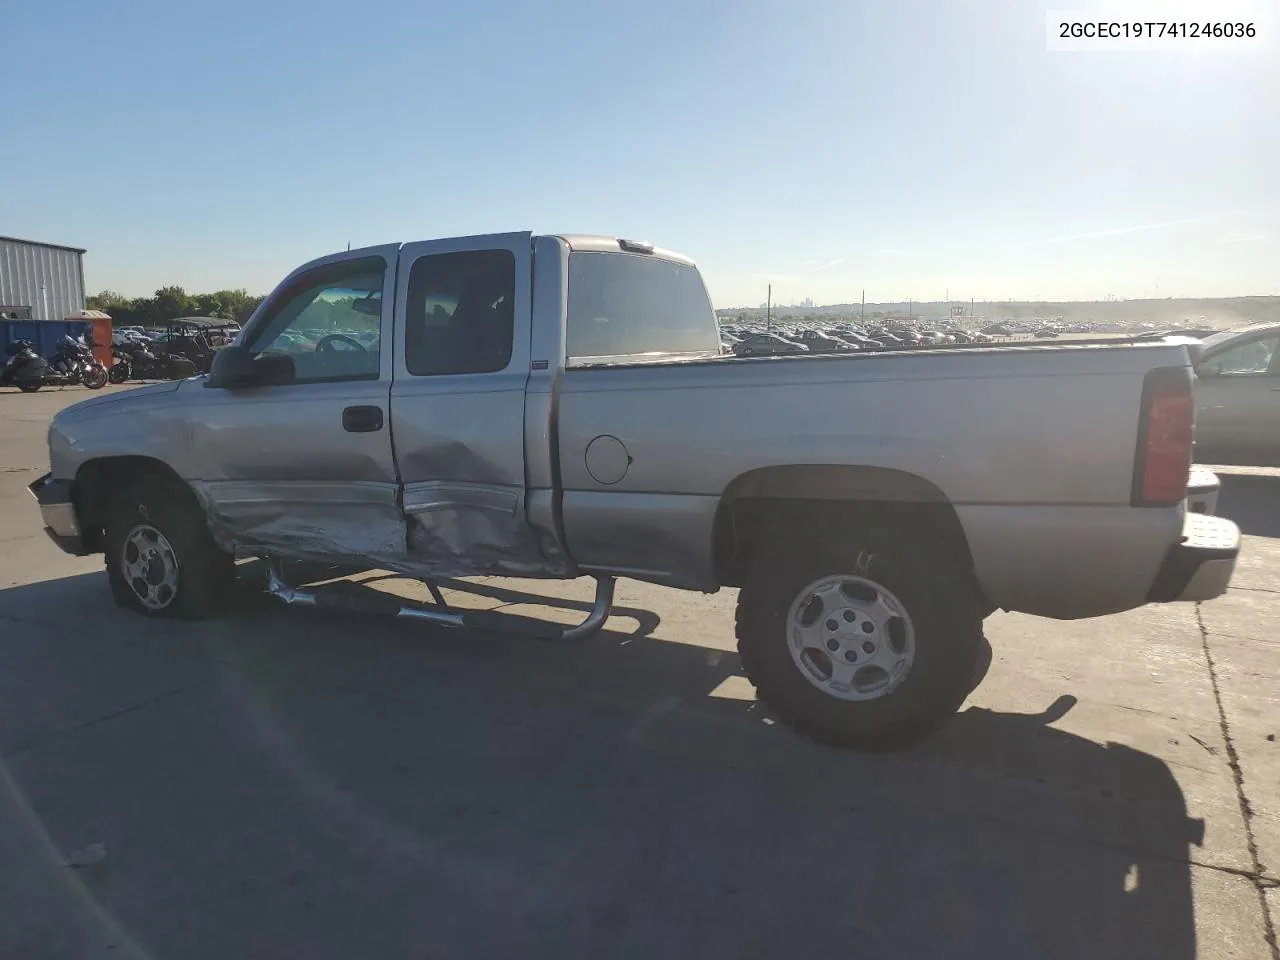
(593, 242)
(600, 243)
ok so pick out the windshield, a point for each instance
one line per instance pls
(625, 304)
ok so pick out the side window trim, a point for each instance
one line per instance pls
(520, 245)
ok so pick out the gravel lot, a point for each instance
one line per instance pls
(285, 784)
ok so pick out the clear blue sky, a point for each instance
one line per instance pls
(903, 147)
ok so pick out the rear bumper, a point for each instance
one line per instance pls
(58, 511)
(1202, 491)
(1200, 566)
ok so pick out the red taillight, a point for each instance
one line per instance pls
(1163, 463)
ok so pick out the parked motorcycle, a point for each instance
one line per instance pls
(73, 362)
(136, 361)
(24, 368)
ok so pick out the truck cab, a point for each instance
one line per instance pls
(396, 405)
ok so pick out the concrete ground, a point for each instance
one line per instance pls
(284, 784)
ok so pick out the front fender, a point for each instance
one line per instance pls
(150, 421)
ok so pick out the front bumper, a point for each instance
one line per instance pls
(1199, 567)
(1202, 491)
(58, 511)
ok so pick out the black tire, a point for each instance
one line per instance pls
(944, 612)
(205, 572)
(30, 386)
(179, 368)
(119, 372)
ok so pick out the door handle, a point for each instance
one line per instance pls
(362, 419)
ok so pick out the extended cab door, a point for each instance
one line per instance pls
(1238, 402)
(306, 467)
(463, 320)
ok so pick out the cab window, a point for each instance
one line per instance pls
(329, 323)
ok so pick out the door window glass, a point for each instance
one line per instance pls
(460, 312)
(329, 324)
(1248, 359)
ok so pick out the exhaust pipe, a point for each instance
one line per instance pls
(355, 598)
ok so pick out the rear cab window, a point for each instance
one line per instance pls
(459, 314)
(626, 307)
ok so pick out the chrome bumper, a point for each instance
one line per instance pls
(1202, 491)
(1200, 565)
(58, 511)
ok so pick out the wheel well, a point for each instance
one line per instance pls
(762, 506)
(97, 481)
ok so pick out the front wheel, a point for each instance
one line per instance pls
(161, 559)
(94, 376)
(30, 386)
(868, 646)
(119, 372)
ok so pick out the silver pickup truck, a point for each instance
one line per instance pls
(558, 406)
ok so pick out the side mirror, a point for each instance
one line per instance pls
(235, 367)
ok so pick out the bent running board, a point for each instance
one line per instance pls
(356, 598)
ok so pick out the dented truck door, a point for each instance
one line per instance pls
(302, 466)
(463, 317)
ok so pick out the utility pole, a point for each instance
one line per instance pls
(768, 310)
(864, 306)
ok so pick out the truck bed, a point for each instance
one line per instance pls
(1025, 440)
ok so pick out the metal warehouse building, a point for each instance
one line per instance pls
(40, 281)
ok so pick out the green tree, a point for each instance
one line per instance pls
(173, 301)
(170, 302)
(106, 301)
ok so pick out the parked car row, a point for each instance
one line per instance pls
(182, 347)
(838, 339)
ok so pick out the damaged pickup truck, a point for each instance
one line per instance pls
(558, 406)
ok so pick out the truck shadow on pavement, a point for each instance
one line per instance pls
(1252, 501)
(289, 783)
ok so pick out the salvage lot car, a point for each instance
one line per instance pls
(1238, 396)
(555, 406)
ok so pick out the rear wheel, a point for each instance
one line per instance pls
(30, 386)
(161, 559)
(94, 376)
(868, 646)
(119, 371)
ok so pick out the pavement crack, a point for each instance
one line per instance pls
(1202, 743)
(102, 718)
(1246, 810)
